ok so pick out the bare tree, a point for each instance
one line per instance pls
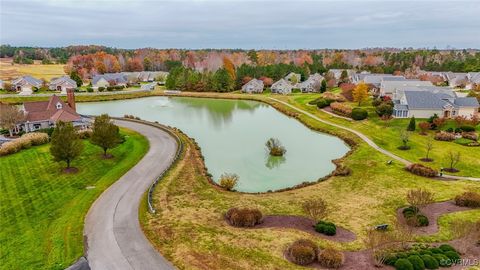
(419, 197)
(428, 147)
(10, 115)
(403, 234)
(315, 208)
(452, 158)
(379, 243)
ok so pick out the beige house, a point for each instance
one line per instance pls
(253, 86)
(62, 84)
(282, 86)
(26, 84)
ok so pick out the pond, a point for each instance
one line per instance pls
(232, 135)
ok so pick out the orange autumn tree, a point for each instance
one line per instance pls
(228, 65)
(360, 93)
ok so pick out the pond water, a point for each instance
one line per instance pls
(232, 135)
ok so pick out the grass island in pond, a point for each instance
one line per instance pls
(232, 135)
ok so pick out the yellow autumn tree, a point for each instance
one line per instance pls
(360, 93)
(230, 67)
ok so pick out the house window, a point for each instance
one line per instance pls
(59, 106)
(36, 126)
(454, 112)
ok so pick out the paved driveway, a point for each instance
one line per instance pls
(114, 238)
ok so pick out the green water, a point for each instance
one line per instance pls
(232, 135)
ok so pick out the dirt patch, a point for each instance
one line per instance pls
(71, 170)
(426, 159)
(107, 156)
(432, 212)
(305, 224)
(451, 170)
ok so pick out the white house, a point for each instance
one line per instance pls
(109, 79)
(62, 84)
(473, 80)
(312, 84)
(282, 86)
(253, 86)
(24, 85)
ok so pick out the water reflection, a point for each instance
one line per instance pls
(220, 113)
(274, 162)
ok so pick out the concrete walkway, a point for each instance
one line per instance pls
(368, 140)
(114, 239)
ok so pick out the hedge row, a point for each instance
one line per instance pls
(24, 142)
(421, 170)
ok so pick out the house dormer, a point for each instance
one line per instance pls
(59, 106)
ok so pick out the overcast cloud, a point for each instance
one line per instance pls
(241, 24)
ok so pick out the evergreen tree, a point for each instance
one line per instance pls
(74, 76)
(323, 86)
(412, 125)
(105, 133)
(65, 143)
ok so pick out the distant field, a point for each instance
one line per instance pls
(9, 70)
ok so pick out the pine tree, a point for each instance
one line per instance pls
(105, 133)
(65, 143)
(412, 125)
(323, 86)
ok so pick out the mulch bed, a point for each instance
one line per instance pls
(305, 224)
(432, 212)
(71, 170)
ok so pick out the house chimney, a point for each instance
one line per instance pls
(71, 98)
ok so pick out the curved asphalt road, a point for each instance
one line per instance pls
(114, 238)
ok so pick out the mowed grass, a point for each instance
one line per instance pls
(10, 70)
(387, 136)
(42, 209)
(190, 231)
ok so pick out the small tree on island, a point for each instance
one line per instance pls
(412, 125)
(228, 181)
(428, 148)
(405, 137)
(105, 133)
(65, 143)
(275, 147)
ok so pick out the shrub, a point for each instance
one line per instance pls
(331, 258)
(341, 108)
(429, 261)
(322, 103)
(334, 97)
(442, 260)
(228, 181)
(384, 110)
(422, 221)
(89, 89)
(359, 114)
(85, 134)
(48, 131)
(36, 138)
(436, 250)
(376, 102)
(315, 208)
(467, 128)
(444, 136)
(468, 199)
(412, 125)
(302, 252)
(327, 228)
(403, 264)
(421, 170)
(101, 89)
(416, 262)
(243, 217)
(452, 255)
(24, 142)
(275, 147)
(446, 247)
(470, 135)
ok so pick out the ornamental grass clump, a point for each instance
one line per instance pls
(331, 258)
(228, 181)
(468, 199)
(244, 217)
(302, 252)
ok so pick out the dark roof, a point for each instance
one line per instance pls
(467, 102)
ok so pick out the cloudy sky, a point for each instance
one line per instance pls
(241, 24)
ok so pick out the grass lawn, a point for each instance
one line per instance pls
(9, 71)
(42, 210)
(386, 135)
(189, 230)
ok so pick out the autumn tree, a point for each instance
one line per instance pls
(347, 90)
(360, 93)
(229, 67)
(252, 56)
(10, 116)
(424, 126)
(65, 143)
(105, 134)
(147, 64)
